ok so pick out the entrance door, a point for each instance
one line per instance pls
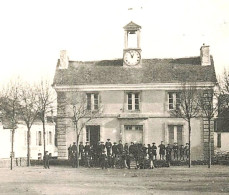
(93, 134)
(133, 133)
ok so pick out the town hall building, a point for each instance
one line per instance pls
(135, 95)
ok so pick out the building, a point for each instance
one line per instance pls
(20, 140)
(221, 134)
(136, 96)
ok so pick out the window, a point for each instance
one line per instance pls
(38, 138)
(174, 100)
(219, 140)
(92, 101)
(50, 138)
(133, 101)
(175, 134)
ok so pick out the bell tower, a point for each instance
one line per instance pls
(132, 53)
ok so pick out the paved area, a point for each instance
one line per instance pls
(66, 180)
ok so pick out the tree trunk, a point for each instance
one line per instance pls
(44, 133)
(28, 147)
(12, 149)
(77, 153)
(209, 143)
(189, 141)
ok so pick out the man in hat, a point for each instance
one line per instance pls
(154, 151)
(108, 146)
(186, 149)
(87, 148)
(81, 149)
(181, 152)
(131, 148)
(168, 153)
(74, 155)
(103, 160)
(46, 160)
(69, 152)
(175, 151)
(114, 149)
(162, 151)
(120, 147)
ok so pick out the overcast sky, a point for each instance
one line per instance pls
(33, 32)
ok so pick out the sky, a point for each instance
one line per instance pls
(33, 32)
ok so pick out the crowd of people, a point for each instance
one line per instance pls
(115, 155)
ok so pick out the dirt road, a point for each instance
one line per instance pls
(66, 180)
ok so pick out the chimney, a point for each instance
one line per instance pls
(64, 61)
(205, 55)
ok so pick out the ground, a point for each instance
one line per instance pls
(67, 180)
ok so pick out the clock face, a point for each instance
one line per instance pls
(132, 57)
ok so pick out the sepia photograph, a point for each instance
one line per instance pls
(114, 97)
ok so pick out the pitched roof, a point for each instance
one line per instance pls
(152, 71)
(132, 26)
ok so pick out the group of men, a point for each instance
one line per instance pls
(119, 155)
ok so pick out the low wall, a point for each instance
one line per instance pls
(5, 163)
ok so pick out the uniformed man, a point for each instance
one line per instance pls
(74, 147)
(87, 148)
(81, 150)
(181, 152)
(126, 148)
(186, 149)
(154, 151)
(46, 160)
(168, 153)
(162, 151)
(175, 151)
(69, 152)
(131, 148)
(114, 149)
(108, 146)
(74, 155)
(103, 160)
(120, 147)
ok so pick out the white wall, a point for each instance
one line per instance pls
(20, 143)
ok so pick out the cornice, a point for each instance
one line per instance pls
(121, 87)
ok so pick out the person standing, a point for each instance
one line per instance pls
(175, 151)
(126, 148)
(168, 153)
(162, 151)
(103, 160)
(108, 146)
(114, 149)
(120, 147)
(186, 149)
(81, 150)
(74, 155)
(87, 148)
(154, 151)
(46, 160)
(181, 152)
(69, 152)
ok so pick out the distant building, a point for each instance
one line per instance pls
(20, 143)
(137, 96)
(221, 134)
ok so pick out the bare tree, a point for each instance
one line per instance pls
(187, 108)
(45, 103)
(28, 111)
(82, 114)
(9, 105)
(209, 109)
